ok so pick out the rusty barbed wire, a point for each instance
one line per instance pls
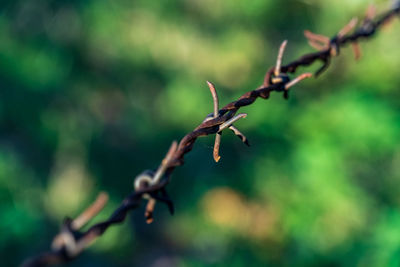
(151, 184)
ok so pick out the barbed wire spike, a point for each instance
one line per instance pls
(152, 198)
(165, 163)
(367, 23)
(278, 76)
(231, 121)
(218, 135)
(215, 98)
(68, 238)
(348, 28)
(317, 41)
(333, 44)
(275, 75)
(91, 211)
(323, 43)
(278, 65)
(283, 78)
(298, 79)
(370, 13)
(239, 134)
(217, 144)
(356, 50)
(217, 141)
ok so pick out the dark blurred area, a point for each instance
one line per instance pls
(93, 92)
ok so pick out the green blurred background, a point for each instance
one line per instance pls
(93, 92)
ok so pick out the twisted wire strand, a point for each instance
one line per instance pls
(73, 242)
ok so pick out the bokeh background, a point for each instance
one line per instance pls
(93, 92)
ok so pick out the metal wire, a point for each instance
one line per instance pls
(151, 185)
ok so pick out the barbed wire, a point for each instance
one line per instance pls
(151, 184)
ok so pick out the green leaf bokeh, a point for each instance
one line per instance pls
(93, 92)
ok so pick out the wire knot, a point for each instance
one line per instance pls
(334, 47)
(150, 183)
(66, 240)
(143, 180)
(70, 241)
(279, 79)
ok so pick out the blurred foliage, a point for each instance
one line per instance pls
(93, 92)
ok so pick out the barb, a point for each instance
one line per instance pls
(239, 134)
(225, 125)
(348, 28)
(298, 79)
(317, 41)
(90, 212)
(69, 242)
(231, 121)
(279, 59)
(217, 141)
(152, 185)
(370, 14)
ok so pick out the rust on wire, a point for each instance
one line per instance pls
(367, 23)
(151, 185)
(217, 141)
(90, 212)
(227, 124)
